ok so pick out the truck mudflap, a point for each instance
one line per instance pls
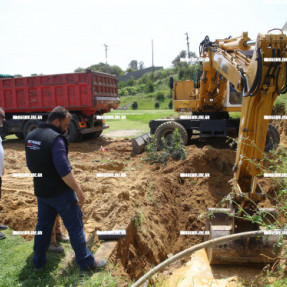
(140, 142)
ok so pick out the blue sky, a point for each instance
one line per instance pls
(58, 36)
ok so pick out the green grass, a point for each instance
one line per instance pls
(17, 268)
(235, 115)
(145, 102)
(135, 119)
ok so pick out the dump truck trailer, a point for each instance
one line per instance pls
(27, 102)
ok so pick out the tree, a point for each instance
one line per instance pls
(133, 65)
(156, 105)
(79, 70)
(103, 68)
(141, 65)
(176, 62)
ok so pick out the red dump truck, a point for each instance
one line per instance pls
(28, 100)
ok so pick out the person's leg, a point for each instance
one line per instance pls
(54, 245)
(58, 227)
(53, 236)
(60, 236)
(0, 187)
(71, 214)
(46, 219)
(2, 227)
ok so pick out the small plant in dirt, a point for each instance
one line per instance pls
(177, 149)
(192, 181)
(152, 153)
(150, 195)
(174, 149)
(138, 219)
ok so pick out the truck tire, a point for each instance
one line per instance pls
(272, 138)
(166, 129)
(73, 134)
(30, 126)
(93, 135)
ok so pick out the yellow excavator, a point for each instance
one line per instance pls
(259, 80)
(233, 81)
(230, 69)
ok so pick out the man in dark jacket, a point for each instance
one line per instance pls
(56, 189)
(2, 120)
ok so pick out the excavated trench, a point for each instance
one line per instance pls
(171, 204)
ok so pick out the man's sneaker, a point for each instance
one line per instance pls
(96, 266)
(60, 237)
(38, 269)
(2, 236)
(55, 247)
(2, 227)
(99, 265)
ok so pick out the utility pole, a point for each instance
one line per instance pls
(187, 42)
(106, 52)
(152, 57)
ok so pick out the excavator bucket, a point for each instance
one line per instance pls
(140, 142)
(260, 250)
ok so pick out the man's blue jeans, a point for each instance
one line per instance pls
(66, 205)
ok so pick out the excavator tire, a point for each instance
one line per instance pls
(272, 138)
(166, 129)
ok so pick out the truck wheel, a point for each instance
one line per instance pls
(30, 126)
(93, 135)
(166, 129)
(272, 138)
(73, 134)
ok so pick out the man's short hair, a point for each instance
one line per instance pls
(59, 113)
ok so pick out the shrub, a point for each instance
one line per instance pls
(170, 105)
(160, 96)
(134, 105)
(174, 149)
(156, 105)
(149, 87)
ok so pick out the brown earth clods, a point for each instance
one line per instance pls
(155, 197)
